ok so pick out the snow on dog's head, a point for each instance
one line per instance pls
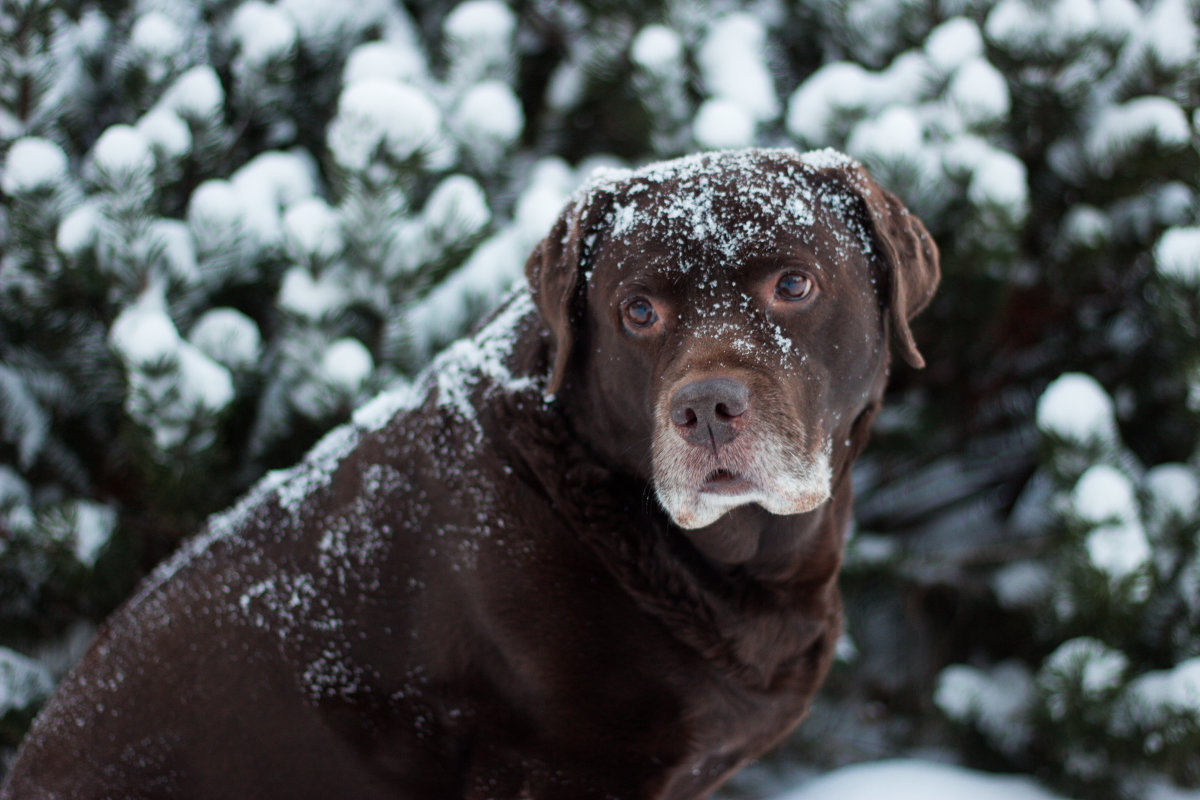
(734, 309)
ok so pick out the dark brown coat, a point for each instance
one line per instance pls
(549, 569)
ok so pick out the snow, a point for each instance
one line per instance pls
(143, 334)
(722, 124)
(1074, 406)
(379, 410)
(169, 241)
(1085, 666)
(277, 178)
(916, 780)
(1173, 203)
(216, 212)
(1104, 498)
(1169, 34)
(539, 205)
(1103, 494)
(480, 22)
(732, 66)
(166, 133)
(228, 337)
(832, 91)
(488, 119)
(157, 360)
(268, 183)
(310, 298)
(14, 491)
(383, 60)
(828, 158)
(377, 113)
(263, 33)
(206, 384)
(1022, 585)
(23, 682)
(156, 34)
(1085, 226)
(657, 49)
(479, 39)
(905, 82)
(495, 265)
(1118, 18)
(313, 230)
(980, 93)
(122, 150)
(1174, 489)
(456, 210)
(160, 41)
(347, 364)
(322, 25)
(467, 362)
(1119, 129)
(998, 702)
(78, 230)
(1119, 550)
(1028, 28)
(196, 95)
(1000, 181)
(94, 526)
(33, 163)
(893, 136)
(953, 43)
(1177, 254)
(1157, 695)
(293, 486)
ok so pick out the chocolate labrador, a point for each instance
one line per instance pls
(592, 553)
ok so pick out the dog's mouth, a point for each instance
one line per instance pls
(696, 488)
(725, 482)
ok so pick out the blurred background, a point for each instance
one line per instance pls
(224, 224)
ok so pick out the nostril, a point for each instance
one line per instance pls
(726, 411)
(683, 416)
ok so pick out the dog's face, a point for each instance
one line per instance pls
(721, 322)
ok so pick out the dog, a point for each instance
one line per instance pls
(592, 554)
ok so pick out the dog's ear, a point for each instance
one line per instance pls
(908, 254)
(556, 274)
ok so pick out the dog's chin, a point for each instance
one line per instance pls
(696, 487)
(693, 505)
(699, 509)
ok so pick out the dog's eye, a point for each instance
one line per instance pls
(639, 312)
(794, 286)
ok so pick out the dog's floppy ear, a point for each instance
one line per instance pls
(909, 256)
(555, 271)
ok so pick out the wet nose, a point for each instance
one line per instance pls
(706, 412)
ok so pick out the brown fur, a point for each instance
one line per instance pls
(474, 593)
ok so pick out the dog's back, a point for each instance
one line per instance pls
(308, 619)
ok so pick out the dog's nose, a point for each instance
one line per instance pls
(707, 411)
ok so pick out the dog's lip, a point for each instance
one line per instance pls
(726, 482)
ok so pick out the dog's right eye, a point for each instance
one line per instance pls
(639, 313)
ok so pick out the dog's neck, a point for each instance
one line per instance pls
(769, 548)
(752, 621)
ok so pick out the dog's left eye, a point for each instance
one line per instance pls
(794, 286)
(639, 312)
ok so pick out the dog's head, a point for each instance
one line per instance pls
(719, 323)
